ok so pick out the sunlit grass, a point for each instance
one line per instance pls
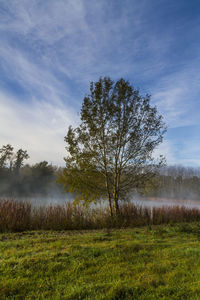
(158, 262)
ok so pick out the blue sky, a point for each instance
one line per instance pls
(51, 49)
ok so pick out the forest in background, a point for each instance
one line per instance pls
(18, 179)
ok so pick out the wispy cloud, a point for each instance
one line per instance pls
(177, 96)
(51, 50)
(38, 127)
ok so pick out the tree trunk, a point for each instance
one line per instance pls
(116, 206)
(110, 206)
(116, 193)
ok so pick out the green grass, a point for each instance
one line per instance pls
(162, 262)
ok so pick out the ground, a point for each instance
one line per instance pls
(160, 262)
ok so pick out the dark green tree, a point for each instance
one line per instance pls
(20, 156)
(6, 154)
(110, 153)
(43, 177)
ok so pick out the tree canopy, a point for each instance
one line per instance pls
(111, 151)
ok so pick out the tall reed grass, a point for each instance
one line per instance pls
(22, 216)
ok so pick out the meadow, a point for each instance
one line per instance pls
(151, 262)
(72, 252)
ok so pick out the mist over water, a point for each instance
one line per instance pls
(159, 202)
(37, 184)
(62, 198)
(46, 200)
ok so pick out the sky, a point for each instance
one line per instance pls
(50, 51)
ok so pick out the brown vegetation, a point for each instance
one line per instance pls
(21, 216)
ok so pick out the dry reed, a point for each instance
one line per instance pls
(21, 216)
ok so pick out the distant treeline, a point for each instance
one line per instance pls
(38, 179)
(18, 179)
(176, 182)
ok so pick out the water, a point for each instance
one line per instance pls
(159, 202)
(148, 202)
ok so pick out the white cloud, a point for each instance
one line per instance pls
(84, 39)
(188, 152)
(39, 127)
(45, 20)
(176, 95)
(167, 150)
(53, 49)
(31, 76)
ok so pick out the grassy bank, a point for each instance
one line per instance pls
(158, 262)
(18, 216)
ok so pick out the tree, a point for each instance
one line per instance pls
(110, 152)
(43, 177)
(10, 165)
(21, 155)
(6, 154)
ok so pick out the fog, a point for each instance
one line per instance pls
(174, 185)
(137, 200)
(159, 202)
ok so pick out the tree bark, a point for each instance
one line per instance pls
(110, 206)
(116, 194)
(116, 206)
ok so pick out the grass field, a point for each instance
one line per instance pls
(159, 262)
